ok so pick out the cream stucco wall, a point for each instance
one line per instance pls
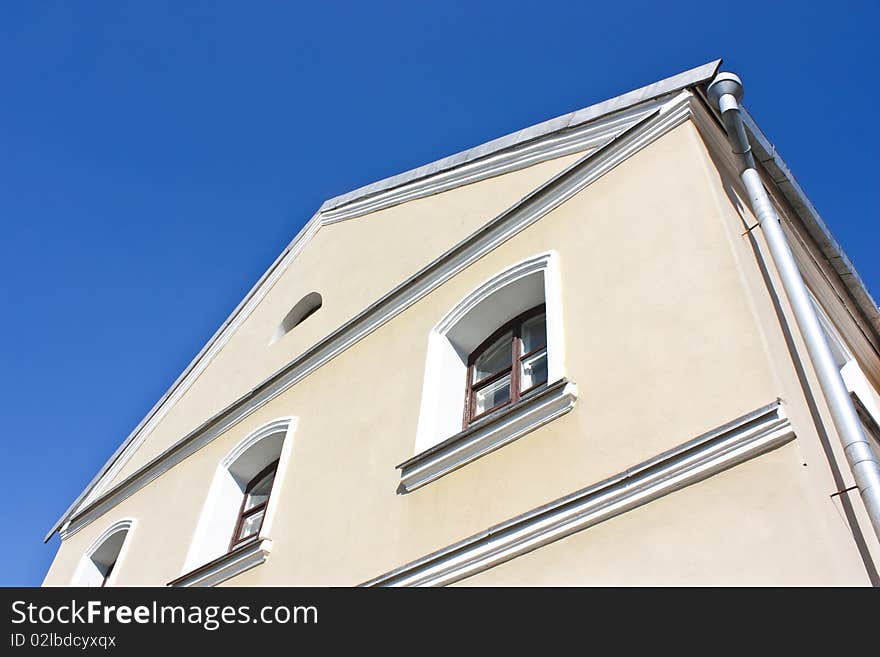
(670, 332)
(743, 527)
(818, 445)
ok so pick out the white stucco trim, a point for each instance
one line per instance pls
(227, 566)
(696, 460)
(535, 410)
(86, 573)
(580, 139)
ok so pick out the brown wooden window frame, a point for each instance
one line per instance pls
(514, 369)
(243, 515)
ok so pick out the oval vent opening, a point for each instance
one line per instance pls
(303, 309)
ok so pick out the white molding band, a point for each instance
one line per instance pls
(581, 139)
(227, 566)
(497, 231)
(532, 265)
(118, 526)
(285, 425)
(740, 440)
(486, 436)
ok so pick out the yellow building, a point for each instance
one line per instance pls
(565, 356)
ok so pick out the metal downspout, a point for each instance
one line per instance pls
(726, 92)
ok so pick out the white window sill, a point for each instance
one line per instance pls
(487, 435)
(242, 558)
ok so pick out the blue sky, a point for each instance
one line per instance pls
(155, 157)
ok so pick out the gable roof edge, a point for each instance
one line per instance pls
(579, 117)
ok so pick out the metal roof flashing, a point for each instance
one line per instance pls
(579, 117)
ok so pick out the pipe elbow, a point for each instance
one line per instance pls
(724, 84)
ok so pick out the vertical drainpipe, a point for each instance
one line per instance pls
(725, 92)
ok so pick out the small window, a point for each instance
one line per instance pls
(253, 506)
(99, 562)
(240, 506)
(508, 365)
(304, 308)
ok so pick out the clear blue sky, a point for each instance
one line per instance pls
(155, 157)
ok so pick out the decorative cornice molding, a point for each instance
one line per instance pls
(740, 440)
(538, 263)
(281, 425)
(227, 566)
(509, 223)
(488, 435)
(569, 141)
(124, 525)
(592, 114)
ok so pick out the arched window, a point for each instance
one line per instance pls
(253, 506)
(505, 340)
(508, 365)
(101, 560)
(240, 506)
(304, 308)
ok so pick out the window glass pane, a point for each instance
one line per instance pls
(251, 524)
(534, 370)
(492, 395)
(260, 492)
(534, 333)
(495, 358)
(253, 500)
